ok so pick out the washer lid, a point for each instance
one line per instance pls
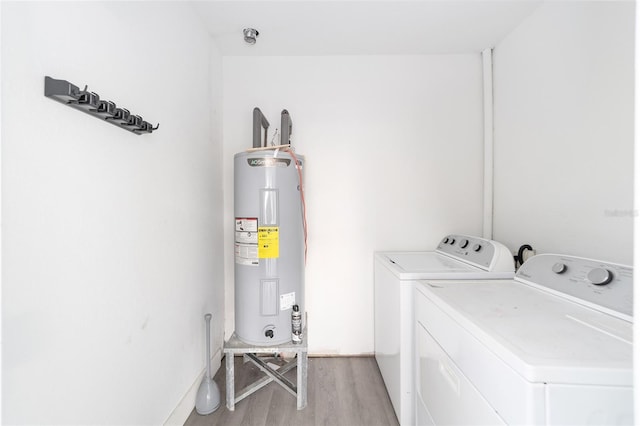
(542, 336)
(432, 265)
(456, 257)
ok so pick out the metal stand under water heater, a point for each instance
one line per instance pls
(269, 237)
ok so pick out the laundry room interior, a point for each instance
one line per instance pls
(510, 121)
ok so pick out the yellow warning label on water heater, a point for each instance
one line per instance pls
(268, 242)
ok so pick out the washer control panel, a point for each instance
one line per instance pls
(600, 285)
(487, 254)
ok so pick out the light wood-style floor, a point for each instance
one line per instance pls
(344, 391)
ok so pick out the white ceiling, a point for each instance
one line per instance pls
(361, 27)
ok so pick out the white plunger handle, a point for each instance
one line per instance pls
(207, 318)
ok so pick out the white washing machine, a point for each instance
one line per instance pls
(553, 346)
(456, 257)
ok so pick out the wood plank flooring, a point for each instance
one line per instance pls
(343, 391)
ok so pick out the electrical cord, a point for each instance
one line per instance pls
(519, 258)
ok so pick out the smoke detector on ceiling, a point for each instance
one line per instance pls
(250, 35)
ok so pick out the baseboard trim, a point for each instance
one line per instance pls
(329, 355)
(332, 355)
(182, 412)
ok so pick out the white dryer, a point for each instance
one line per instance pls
(456, 257)
(553, 346)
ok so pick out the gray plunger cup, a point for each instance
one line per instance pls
(208, 397)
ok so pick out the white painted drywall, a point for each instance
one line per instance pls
(636, 205)
(564, 87)
(393, 148)
(112, 241)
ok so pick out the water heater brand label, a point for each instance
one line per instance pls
(268, 242)
(246, 244)
(268, 162)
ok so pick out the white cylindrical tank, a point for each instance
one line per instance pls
(269, 245)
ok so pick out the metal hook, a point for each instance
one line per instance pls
(134, 120)
(89, 100)
(146, 127)
(106, 108)
(120, 114)
(79, 94)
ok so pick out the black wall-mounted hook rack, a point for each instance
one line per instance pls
(90, 102)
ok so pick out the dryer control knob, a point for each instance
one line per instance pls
(477, 247)
(445, 241)
(599, 276)
(559, 268)
(464, 243)
(453, 241)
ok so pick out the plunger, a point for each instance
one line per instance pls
(208, 397)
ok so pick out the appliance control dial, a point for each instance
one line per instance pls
(452, 241)
(599, 276)
(559, 268)
(464, 243)
(477, 247)
(446, 240)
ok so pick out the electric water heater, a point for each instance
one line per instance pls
(269, 244)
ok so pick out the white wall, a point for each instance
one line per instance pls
(563, 85)
(393, 148)
(112, 242)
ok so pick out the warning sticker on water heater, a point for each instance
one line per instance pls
(246, 224)
(287, 301)
(246, 239)
(268, 242)
(246, 254)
